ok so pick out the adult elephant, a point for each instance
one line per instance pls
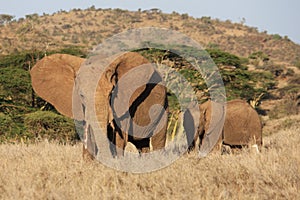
(116, 99)
(242, 125)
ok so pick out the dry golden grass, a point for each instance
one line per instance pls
(51, 171)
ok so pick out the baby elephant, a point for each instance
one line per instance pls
(242, 125)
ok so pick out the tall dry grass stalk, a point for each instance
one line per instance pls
(52, 171)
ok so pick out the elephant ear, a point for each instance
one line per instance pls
(53, 80)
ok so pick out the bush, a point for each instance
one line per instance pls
(224, 58)
(26, 58)
(259, 55)
(15, 86)
(72, 50)
(51, 126)
(239, 82)
(8, 128)
(246, 84)
(276, 37)
(6, 124)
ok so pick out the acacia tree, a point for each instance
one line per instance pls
(4, 19)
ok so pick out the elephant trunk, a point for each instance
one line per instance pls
(215, 129)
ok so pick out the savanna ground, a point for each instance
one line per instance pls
(52, 171)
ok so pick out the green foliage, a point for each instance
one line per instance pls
(15, 83)
(4, 18)
(206, 20)
(264, 80)
(245, 84)
(32, 16)
(46, 124)
(28, 58)
(244, 61)
(15, 86)
(238, 81)
(5, 124)
(224, 58)
(72, 50)
(194, 77)
(259, 55)
(21, 60)
(211, 45)
(276, 37)
(154, 54)
(181, 54)
(10, 130)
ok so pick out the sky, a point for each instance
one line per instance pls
(274, 16)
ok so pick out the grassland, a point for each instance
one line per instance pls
(52, 171)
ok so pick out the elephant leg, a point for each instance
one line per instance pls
(86, 154)
(90, 148)
(117, 141)
(192, 140)
(144, 150)
(190, 125)
(112, 139)
(120, 142)
(158, 140)
(191, 146)
(218, 146)
(142, 145)
(225, 149)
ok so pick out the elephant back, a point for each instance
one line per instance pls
(242, 124)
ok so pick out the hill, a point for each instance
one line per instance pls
(89, 27)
